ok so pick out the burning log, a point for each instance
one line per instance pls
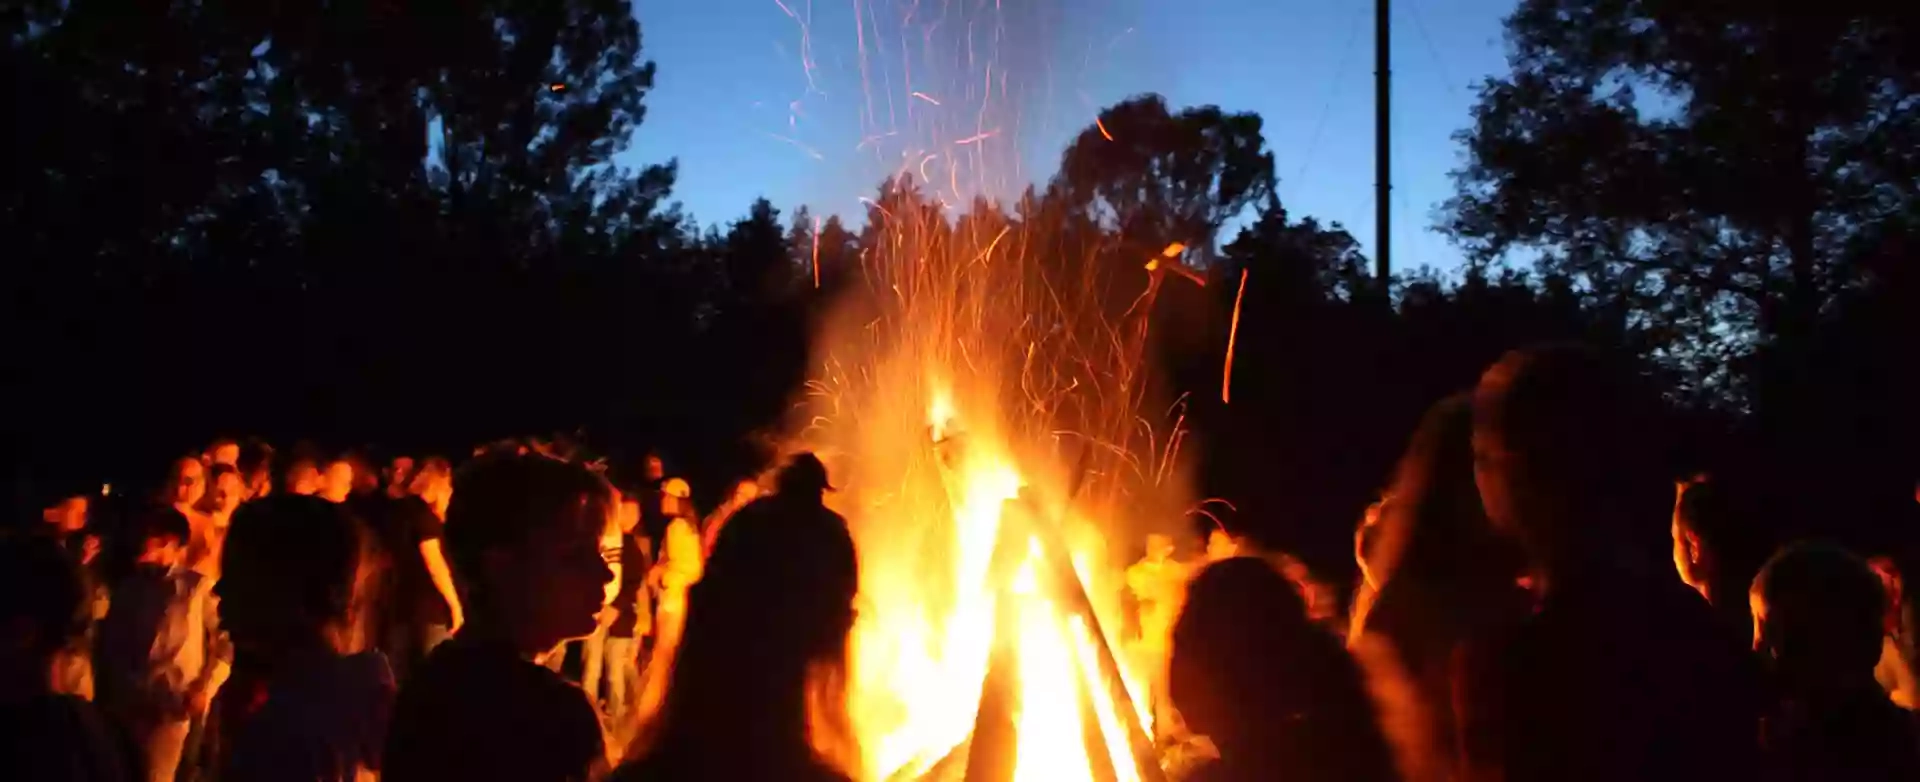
(1053, 549)
(993, 750)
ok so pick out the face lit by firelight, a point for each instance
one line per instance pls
(337, 483)
(228, 492)
(558, 587)
(303, 479)
(188, 484)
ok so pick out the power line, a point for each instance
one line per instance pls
(1333, 89)
(1420, 27)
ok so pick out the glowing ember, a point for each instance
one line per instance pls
(1233, 335)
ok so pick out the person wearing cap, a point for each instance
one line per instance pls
(674, 571)
(678, 565)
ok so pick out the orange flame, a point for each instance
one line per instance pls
(951, 381)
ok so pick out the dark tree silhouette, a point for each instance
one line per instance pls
(1720, 171)
(1734, 186)
(1158, 177)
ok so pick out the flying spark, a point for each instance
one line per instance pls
(811, 152)
(1233, 335)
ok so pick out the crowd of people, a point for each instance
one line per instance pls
(535, 616)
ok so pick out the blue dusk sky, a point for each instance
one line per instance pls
(813, 103)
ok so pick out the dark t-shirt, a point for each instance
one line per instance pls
(1632, 678)
(414, 523)
(477, 711)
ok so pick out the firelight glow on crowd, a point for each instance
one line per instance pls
(536, 614)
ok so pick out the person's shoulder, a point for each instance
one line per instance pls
(484, 672)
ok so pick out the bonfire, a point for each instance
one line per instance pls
(981, 396)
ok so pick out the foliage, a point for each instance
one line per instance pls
(1166, 177)
(1715, 172)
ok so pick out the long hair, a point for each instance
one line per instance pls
(1440, 575)
(1433, 535)
(761, 664)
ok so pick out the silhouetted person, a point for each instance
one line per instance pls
(1622, 672)
(256, 468)
(634, 618)
(399, 476)
(366, 477)
(336, 482)
(186, 485)
(225, 491)
(1818, 619)
(1441, 578)
(423, 609)
(1895, 671)
(1709, 545)
(151, 663)
(308, 699)
(47, 736)
(64, 512)
(654, 504)
(523, 534)
(771, 615)
(1276, 692)
(303, 476)
(1157, 583)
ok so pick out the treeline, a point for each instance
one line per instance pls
(386, 224)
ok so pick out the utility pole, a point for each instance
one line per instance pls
(1382, 144)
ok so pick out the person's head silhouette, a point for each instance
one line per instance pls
(296, 573)
(1562, 457)
(803, 478)
(1818, 616)
(767, 622)
(1308, 715)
